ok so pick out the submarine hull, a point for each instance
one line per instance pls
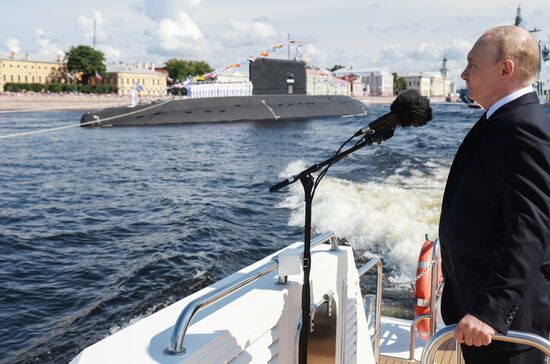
(225, 109)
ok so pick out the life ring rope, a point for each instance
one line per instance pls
(423, 285)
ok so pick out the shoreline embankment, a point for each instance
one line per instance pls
(50, 102)
(388, 100)
(34, 102)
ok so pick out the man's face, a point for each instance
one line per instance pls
(481, 74)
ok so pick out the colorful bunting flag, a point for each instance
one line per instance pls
(246, 61)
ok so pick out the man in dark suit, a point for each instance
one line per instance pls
(495, 217)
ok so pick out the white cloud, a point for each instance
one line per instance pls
(313, 55)
(47, 46)
(458, 49)
(110, 52)
(426, 51)
(86, 25)
(426, 56)
(179, 36)
(12, 45)
(249, 32)
(166, 9)
(391, 53)
(175, 33)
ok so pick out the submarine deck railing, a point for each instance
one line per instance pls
(515, 337)
(175, 345)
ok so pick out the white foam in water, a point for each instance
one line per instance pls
(389, 218)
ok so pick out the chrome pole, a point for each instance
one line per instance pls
(433, 299)
(378, 316)
(412, 341)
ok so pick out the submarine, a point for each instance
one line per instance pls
(279, 92)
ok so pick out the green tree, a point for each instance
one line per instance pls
(181, 69)
(336, 67)
(86, 60)
(399, 83)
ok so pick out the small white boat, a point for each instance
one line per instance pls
(254, 316)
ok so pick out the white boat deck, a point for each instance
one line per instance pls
(395, 339)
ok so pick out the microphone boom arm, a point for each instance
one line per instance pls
(376, 137)
(309, 185)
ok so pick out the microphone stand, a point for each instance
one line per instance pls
(307, 181)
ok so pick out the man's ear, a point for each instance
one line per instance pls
(507, 70)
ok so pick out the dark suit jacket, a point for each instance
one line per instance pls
(495, 221)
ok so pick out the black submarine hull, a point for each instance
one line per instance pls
(225, 109)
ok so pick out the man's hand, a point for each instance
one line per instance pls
(472, 331)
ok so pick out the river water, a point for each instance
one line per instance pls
(101, 227)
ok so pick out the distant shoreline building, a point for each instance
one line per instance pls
(374, 82)
(122, 76)
(321, 82)
(428, 84)
(141, 77)
(26, 70)
(431, 83)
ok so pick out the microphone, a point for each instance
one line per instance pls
(408, 109)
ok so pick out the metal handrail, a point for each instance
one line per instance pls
(175, 345)
(515, 337)
(433, 298)
(377, 315)
(412, 341)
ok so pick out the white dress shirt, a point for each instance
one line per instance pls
(506, 99)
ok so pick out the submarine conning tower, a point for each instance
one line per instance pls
(278, 77)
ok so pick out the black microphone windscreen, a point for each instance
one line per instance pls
(411, 109)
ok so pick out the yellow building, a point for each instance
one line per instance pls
(26, 70)
(429, 84)
(127, 78)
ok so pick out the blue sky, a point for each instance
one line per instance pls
(399, 36)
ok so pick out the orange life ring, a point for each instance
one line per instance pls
(423, 289)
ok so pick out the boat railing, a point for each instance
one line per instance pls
(375, 262)
(175, 345)
(514, 337)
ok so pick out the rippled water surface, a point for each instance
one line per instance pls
(99, 227)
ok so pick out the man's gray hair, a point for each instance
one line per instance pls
(517, 44)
